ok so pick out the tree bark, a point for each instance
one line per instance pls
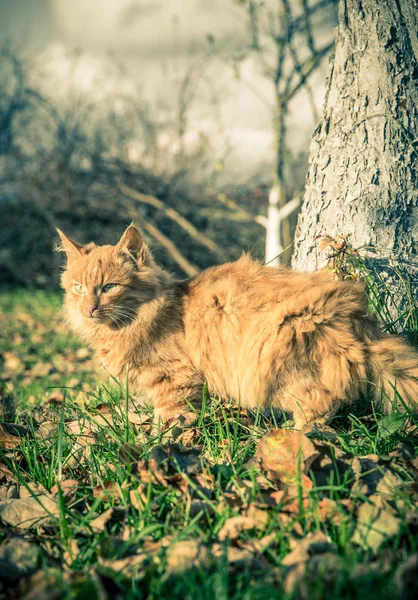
(363, 172)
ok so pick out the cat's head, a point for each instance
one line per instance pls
(105, 285)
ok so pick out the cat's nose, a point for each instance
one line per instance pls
(92, 309)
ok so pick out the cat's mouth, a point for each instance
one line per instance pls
(96, 316)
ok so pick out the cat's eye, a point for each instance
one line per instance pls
(79, 288)
(109, 287)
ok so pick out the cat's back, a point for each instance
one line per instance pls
(237, 292)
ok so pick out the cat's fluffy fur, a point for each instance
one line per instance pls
(261, 336)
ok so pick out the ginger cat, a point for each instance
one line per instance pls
(261, 336)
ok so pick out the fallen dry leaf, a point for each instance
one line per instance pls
(18, 558)
(376, 523)
(182, 556)
(148, 471)
(68, 487)
(130, 453)
(329, 511)
(8, 440)
(176, 457)
(320, 571)
(234, 526)
(282, 454)
(71, 553)
(372, 477)
(99, 523)
(259, 546)
(29, 512)
(406, 578)
(304, 549)
(107, 489)
(33, 489)
(129, 566)
(241, 558)
(138, 497)
(12, 362)
(8, 491)
(7, 408)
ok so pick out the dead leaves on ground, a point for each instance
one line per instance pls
(26, 337)
(294, 488)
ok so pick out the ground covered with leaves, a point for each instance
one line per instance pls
(95, 504)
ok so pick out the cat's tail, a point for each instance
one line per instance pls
(394, 366)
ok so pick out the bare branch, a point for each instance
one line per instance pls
(174, 252)
(244, 215)
(298, 69)
(177, 218)
(308, 26)
(313, 63)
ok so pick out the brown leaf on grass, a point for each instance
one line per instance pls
(259, 546)
(234, 526)
(130, 566)
(45, 585)
(9, 436)
(29, 512)
(71, 553)
(311, 557)
(12, 362)
(256, 513)
(176, 457)
(138, 497)
(33, 490)
(372, 477)
(130, 453)
(189, 436)
(152, 546)
(406, 579)
(304, 549)
(282, 453)
(8, 491)
(329, 511)
(81, 429)
(148, 471)
(203, 507)
(183, 556)
(99, 523)
(6, 474)
(241, 558)
(331, 464)
(68, 487)
(56, 398)
(7, 408)
(107, 489)
(82, 353)
(39, 370)
(232, 499)
(320, 570)
(376, 523)
(18, 558)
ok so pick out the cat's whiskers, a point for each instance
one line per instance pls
(117, 318)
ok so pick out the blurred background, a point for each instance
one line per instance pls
(179, 114)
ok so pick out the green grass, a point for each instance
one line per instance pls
(85, 436)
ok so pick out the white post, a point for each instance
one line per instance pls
(273, 234)
(272, 224)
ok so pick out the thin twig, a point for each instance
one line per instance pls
(174, 252)
(176, 217)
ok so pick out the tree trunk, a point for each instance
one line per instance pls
(278, 236)
(363, 172)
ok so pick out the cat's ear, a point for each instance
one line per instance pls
(132, 242)
(71, 248)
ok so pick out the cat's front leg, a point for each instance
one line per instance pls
(174, 405)
(184, 417)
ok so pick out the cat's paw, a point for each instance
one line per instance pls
(173, 423)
